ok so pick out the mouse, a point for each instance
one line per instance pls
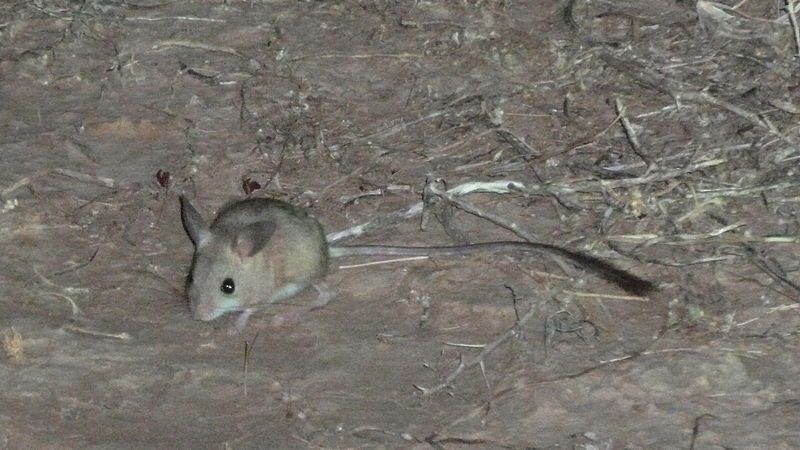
(260, 251)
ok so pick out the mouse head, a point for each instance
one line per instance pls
(228, 270)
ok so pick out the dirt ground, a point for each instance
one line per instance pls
(661, 136)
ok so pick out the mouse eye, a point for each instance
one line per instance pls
(227, 286)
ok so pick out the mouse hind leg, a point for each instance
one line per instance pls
(324, 296)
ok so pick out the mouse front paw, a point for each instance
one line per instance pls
(288, 318)
(241, 322)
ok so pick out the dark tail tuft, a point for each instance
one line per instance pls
(626, 280)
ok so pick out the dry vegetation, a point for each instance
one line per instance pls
(659, 135)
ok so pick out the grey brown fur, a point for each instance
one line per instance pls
(269, 249)
(262, 251)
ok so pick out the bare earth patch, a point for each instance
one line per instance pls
(660, 136)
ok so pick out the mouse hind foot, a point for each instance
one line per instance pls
(324, 296)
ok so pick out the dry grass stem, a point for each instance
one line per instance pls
(388, 261)
(178, 18)
(101, 181)
(360, 56)
(715, 236)
(745, 191)
(708, 154)
(172, 43)
(793, 20)
(456, 344)
(607, 296)
(13, 346)
(76, 311)
(584, 142)
(631, 134)
(661, 175)
(120, 336)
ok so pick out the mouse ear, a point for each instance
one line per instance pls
(252, 238)
(193, 223)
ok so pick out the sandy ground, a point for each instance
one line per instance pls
(660, 136)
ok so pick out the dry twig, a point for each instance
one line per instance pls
(479, 358)
(631, 134)
(793, 19)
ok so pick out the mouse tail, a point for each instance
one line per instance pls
(625, 280)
